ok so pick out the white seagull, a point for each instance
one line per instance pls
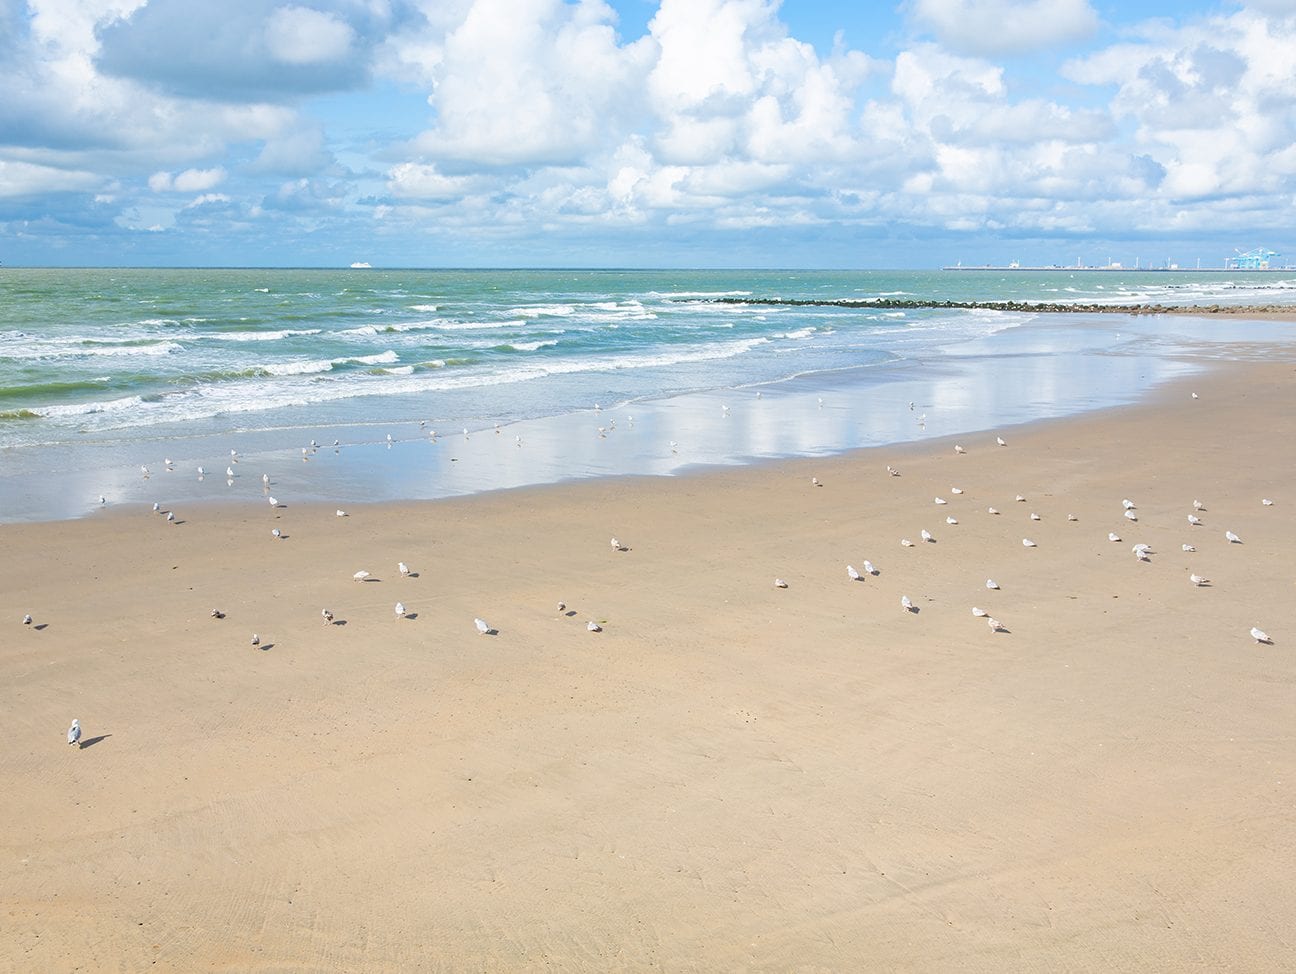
(959, 449)
(274, 501)
(400, 610)
(341, 513)
(256, 640)
(893, 471)
(854, 575)
(1021, 497)
(1128, 504)
(617, 545)
(74, 732)
(1232, 538)
(1034, 516)
(1199, 580)
(1130, 515)
(593, 626)
(1072, 517)
(868, 567)
(927, 535)
(1194, 520)
(906, 543)
(994, 624)
(403, 568)
(1000, 441)
(27, 619)
(778, 583)
(481, 625)
(327, 616)
(217, 614)
(1113, 536)
(360, 576)
(1198, 506)
(171, 516)
(1028, 543)
(1189, 547)
(1259, 635)
(906, 603)
(229, 472)
(1267, 502)
(979, 613)
(991, 584)
(992, 510)
(956, 490)
(941, 500)
(951, 520)
(277, 533)
(562, 606)
(814, 482)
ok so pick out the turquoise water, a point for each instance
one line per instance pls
(104, 370)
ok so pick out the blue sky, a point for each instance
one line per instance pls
(667, 133)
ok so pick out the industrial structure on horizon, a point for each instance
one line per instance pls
(1259, 259)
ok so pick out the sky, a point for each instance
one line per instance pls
(645, 133)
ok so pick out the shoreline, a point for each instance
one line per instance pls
(1049, 366)
(729, 775)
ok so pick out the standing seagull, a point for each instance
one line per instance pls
(256, 640)
(482, 626)
(403, 568)
(277, 533)
(1259, 635)
(906, 603)
(593, 626)
(1232, 538)
(400, 610)
(27, 619)
(617, 545)
(852, 573)
(74, 733)
(328, 617)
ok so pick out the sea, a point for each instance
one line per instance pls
(358, 385)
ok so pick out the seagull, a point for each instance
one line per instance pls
(854, 575)
(1113, 536)
(328, 617)
(927, 535)
(265, 479)
(956, 490)
(400, 610)
(1034, 516)
(1259, 635)
(1072, 517)
(403, 568)
(906, 543)
(229, 472)
(360, 576)
(1128, 504)
(277, 533)
(979, 613)
(102, 500)
(74, 733)
(389, 437)
(1267, 502)
(959, 449)
(1130, 515)
(617, 546)
(1194, 520)
(1000, 441)
(778, 583)
(868, 567)
(156, 507)
(482, 627)
(951, 520)
(593, 626)
(992, 510)
(814, 482)
(1195, 396)
(1198, 506)
(144, 470)
(1021, 498)
(994, 624)
(941, 500)
(171, 515)
(168, 462)
(201, 471)
(27, 619)
(1028, 543)
(256, 640)
(1198, 580)
(274, 501)
(217, 614)
(341, 513)
(992, 584)
(1232, 538)
(906, 603)
(893, 471)
(1141, 553)
(1189, 547)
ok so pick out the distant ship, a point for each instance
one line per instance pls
(361, 265)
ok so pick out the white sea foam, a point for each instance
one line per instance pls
(425, 308)
(258, 336)
(309, 367)
(532, 346)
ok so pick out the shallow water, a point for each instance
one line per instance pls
(104, 371)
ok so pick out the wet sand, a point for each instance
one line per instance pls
(729, 775)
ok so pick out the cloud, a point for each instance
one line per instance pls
(247, 50)
(189, 181)
(995, 27)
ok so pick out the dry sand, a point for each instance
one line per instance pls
(729, 776)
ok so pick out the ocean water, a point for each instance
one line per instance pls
(103, 371)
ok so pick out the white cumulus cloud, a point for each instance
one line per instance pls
(993, 27)
(302, 35)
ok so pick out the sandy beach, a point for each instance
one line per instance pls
(730, 775)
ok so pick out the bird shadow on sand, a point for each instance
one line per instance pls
(570, 614)
(410, 615)
(370, 579)
(41, 626)
(412, 575)
(338, 622)
(92, 741)
(913, 609)
(266, 647)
